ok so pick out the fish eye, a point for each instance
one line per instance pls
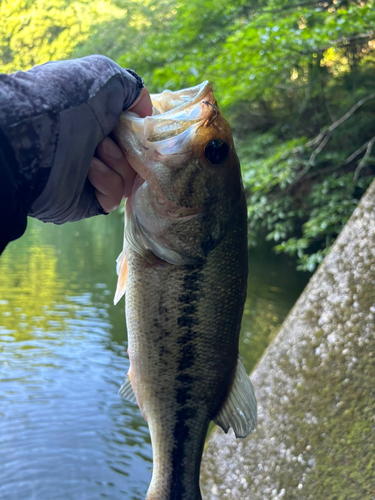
(216, 151)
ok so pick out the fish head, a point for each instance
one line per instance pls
(188, 176)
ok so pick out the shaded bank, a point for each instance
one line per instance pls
(315, 388)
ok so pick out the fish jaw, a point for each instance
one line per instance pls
(170, 148)
(181, 204)
(175, 115)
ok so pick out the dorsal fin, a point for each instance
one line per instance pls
(239, 410)
(122, 273)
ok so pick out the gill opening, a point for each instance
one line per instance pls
(215, 109)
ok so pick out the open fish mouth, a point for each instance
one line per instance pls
(171, 128)
(181, 104)
(175, 112)
(184, 159)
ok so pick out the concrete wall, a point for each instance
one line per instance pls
(315, 387)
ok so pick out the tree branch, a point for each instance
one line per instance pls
(310, 3)
(363, 161)
(294, 6)
(341, 120)
(323, 137)
(339, 165)
(340, 41)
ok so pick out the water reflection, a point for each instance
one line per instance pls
(64, 432)
(273, 288)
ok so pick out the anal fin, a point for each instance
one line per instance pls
(239, 410)
(126, 391)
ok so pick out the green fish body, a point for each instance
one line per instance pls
(185, 267)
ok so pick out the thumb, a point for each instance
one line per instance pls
(142, 105)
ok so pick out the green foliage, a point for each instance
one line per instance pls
(283, 72)
(301, 215)
(328, 208)
(34, 32)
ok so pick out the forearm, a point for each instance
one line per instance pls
(53, 117)
(44, 111)
(12, 213)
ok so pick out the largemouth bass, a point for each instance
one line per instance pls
(184, 265)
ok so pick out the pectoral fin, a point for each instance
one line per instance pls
(239, 410)
(122, 273)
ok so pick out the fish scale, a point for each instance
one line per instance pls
(183, 317)
(185, 376)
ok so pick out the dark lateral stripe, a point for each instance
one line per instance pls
(187, 359)
(184, 380)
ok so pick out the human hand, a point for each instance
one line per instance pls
(71, 109)
(53, 119)
(110, 173)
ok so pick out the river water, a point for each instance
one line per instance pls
(65, 434)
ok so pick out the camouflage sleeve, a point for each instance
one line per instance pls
(52, 118)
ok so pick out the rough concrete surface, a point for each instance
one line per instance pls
(315, 387)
